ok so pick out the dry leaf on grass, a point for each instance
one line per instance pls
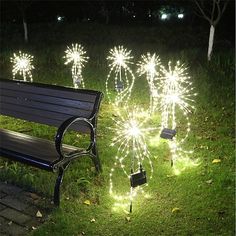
(175, 210)
(87, 202)
(216, 161)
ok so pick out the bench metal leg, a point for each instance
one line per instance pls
(96, 159)
(57, 187)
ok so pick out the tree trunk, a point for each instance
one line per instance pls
(25, 30)
(211, 41)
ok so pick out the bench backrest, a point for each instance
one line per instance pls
(47, 104)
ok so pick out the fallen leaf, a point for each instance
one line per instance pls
(39, 214)
(210, 181)
(216, 161)
(87, 202)
(175, 209)
(10, 223)
(127, 218)
(92, 220)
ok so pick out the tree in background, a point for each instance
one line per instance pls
(23, 6)
(212, 11)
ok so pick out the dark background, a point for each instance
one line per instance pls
(119, 12)
(144, 14)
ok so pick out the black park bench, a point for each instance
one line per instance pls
(62, 107)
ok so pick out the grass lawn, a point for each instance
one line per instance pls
(198, 201)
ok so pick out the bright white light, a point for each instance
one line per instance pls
(119, 56)
(133, 129)
(181, 16)
(164, 16)
(22, 64)
(176, 94)
(59, 18)
(150, 66)
(130, 131)
(76, 56)
(120, 75)
(132, 151)
(176, 91)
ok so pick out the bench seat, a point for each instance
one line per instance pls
(41, 153)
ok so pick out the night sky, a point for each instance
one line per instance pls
(110, 12)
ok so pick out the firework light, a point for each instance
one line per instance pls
(120, 75)
(177, 94)
(149, 65)
(22, 64)
(76, 55)
(132, 151)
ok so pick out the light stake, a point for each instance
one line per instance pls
(132, 148)
(177, 93)
(120, 75)
(76, 55)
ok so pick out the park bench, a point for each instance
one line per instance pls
(61, 107)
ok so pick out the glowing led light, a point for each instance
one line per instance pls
(181, 16)
(133, 129)
(177, 94)
(164, 16)
(132, 151)
(76, 56)
(150, 66)
(60, 18)
(22, 64)
(184, 163)
(120, 75)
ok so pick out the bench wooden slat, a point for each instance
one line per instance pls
(80, 126)
(5, 93)
(57, 91)
(29, 106)
(47, 104)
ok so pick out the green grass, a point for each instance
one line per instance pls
(204, 209)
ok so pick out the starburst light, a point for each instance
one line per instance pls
(120, 75)
(132, 151)
(177, 91)
(22, 64)
(150, 66)
(76, 55)
(177, 94)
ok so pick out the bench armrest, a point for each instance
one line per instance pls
(62, 130)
